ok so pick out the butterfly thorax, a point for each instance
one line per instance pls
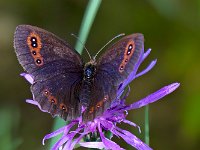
(90, 70)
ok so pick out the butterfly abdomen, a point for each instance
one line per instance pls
(89, 73)
(85, 93)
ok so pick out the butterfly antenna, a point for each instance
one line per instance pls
(82, 44)
(122, 34)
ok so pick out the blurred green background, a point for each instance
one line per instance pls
(171, 28)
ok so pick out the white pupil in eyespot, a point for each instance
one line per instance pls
(38, 61)
(130, 47)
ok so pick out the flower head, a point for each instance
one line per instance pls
(86, 132)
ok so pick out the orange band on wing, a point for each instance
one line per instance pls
(63, 107)
(99, 104)
(51, 98)
(35, 45)
(129, 50)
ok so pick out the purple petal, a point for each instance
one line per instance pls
(91, 126)
(60, 142)
(154, 96)
(131, 139)
(108, 143)
(28, 77)
(150, 66)
(66, 138)
(69, 145)
(64, 130)
(69, 126)
(132, 124)
(30, 101)
(107, 124)
(76, 141)
(53, 134)
(146, 54)
(98, 145)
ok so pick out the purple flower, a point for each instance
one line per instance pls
(108, 121)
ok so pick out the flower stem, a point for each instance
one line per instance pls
(146, 127)
(87, 22)
(85, 27)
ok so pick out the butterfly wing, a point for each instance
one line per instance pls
(55, 67)
(120, 59)
(113, 68)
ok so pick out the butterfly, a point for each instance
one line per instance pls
(63, 83)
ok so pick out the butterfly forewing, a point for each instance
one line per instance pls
(56, 69)
(120, 59)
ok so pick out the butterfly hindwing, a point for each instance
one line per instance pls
(56, 69)
(58, 95)
(102, 93)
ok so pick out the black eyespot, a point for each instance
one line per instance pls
(126, 60)
(122, 68)
(46, 93)
(33, 39)
(34, 52)
(130, 47)
(38, 61)
(63, 108)
(98, 106)
(53, 101)
(34, 42)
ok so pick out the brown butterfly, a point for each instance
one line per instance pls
(63, 83)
